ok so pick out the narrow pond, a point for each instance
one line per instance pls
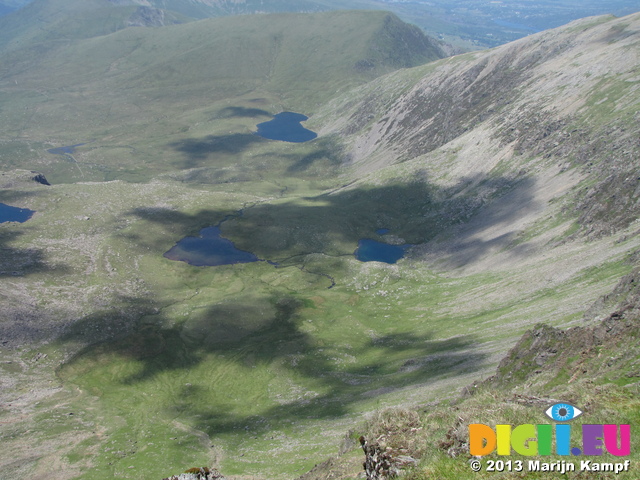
(68, 150)
(14, 214)
(286, 127)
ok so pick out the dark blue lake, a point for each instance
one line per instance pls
(14, 214)
(209, 249)
(373, 251)
(286, 127)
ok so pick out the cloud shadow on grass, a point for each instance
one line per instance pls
(217, 152)
(229, 112)
(19, 261)
(198, 151)
(342, 386)
(327, 156)
(269, 332)
(276, 341)
(332, 223)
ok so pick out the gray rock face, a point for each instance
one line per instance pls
(147, 17)
(201, 473)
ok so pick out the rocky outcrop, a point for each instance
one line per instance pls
(40, 178)
(146, 17)
(198, 473)
(21, 178)
(547, 354)
(380, 461)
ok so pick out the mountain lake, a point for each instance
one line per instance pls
(68, 150)
(209, 249)
(14, 214)
(286, 127)
(374, 251)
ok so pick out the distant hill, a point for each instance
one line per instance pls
(49, 21)
(468, 25)
(7, 6)
(199, 9)
(300, 59)
(214, 8)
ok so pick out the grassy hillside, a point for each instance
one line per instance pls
(44, 24)
(117, 362)
(207, 8)
(152, 89)
(593, 367)
(464, 25)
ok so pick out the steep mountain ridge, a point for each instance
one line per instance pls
(538, 142)
(566, 97)
(463, 92)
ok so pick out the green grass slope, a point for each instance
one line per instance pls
(206, 9)
(46, 22)
(548, 145)
(117, 362)
(148, 88)
(593, 367)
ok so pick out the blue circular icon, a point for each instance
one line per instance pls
(563, 412)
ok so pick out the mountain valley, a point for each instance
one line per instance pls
(512, 173)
